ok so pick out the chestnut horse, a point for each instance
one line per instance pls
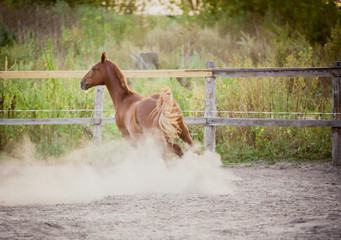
(136, 116)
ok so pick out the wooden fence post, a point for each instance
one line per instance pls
(98, 115)
(210, 108)
(336, 131)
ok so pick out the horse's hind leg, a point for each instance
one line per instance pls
(175, 148)
(186, 137)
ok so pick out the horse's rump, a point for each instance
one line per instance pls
(166, 114)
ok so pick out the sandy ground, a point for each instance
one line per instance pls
(282, 201)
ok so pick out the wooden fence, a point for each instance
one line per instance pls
(209, 121)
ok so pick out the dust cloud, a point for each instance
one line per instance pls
(92, 173)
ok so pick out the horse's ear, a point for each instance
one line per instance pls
(104, 57)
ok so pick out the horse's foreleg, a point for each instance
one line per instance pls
(128, 138)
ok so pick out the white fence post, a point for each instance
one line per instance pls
(97, 134)
(210, 108)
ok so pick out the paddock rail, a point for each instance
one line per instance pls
(210, 121)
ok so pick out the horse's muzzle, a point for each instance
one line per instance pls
(84, 86)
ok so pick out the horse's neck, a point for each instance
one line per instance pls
(117, 85)
(116, 92)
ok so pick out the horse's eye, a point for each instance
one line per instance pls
(93, 69)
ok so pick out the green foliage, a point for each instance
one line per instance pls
(313, 18)
(6, 37)
(43, 94)
(250, 144)
(333, 48)
(243, 36)
(125, 7)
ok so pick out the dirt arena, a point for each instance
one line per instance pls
(281, 201)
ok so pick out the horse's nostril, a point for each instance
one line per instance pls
(84, 85)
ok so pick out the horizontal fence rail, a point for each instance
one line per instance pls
(49, 121)
(272, 122)
(191, 121)
(277, 72)
(219, 72)
(209, 121)
(127, 74)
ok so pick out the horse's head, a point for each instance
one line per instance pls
(96, 75)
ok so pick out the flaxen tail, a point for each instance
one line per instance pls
(165, 115)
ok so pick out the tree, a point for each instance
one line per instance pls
(125, 7)
(313, 18)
